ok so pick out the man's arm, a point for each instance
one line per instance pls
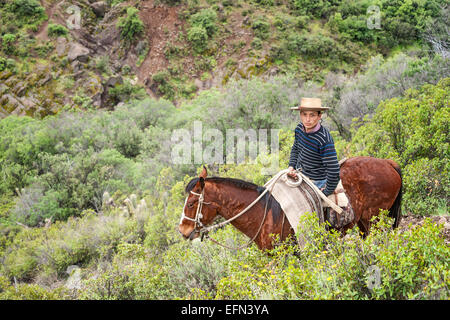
(295, 150)
(331, 164)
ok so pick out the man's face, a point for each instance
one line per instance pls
(310, 118)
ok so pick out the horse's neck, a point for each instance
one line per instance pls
(233, 201)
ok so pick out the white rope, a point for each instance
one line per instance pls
(221, 224)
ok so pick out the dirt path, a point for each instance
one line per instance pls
(42, 33)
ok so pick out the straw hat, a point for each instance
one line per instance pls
(310, 104)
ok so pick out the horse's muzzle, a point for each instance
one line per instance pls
(191, 236)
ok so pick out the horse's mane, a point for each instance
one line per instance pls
(232, 181)
(267, 198)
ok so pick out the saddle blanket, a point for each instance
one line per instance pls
(295, 201)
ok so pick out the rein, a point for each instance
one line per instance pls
(204, 231)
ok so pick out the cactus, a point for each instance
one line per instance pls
(129, 209)
(107, 200)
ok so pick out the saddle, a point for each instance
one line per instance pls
(296, 198)
(338, 197)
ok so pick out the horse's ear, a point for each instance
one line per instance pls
(201, 181)
(204, 173)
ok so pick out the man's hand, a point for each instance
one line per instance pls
(291, 173)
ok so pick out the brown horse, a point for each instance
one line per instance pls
(371, 184)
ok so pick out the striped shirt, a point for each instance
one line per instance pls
(314, 153)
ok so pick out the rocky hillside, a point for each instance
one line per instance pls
(85, 54)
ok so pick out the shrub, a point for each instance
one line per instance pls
(65, 190)
(26, 8)
(280, 52)
(126, 92)
(427, 186)
(330, 267)
(134, 274)
(315, 46)
(171, 2)
(188, 90)
(25, 291)
(261, 28)
(47, 252)
(8, 43)
(268, 3)
(412, 131)
(165, 87)
(301, 21)
(206, 19)
(311, 7)
(257, 43)
(198, 36)
(55, 30)
(382, 79)
(66, 170)
(401, 23)
(130, 26)
(2, 64)
(20, 141)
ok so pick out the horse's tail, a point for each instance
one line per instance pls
(396, 210)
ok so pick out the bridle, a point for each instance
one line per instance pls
(198, 214)
(204, 230)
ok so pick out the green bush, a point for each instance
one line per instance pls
(124, 279)
(301, 21)
(427, 182)
(55, 30)
(126, 92)
(261, 28)
(354, 27)
(257, 43)
(203, 27)
(206, 19)
(48, 252)
(386, 265)
(8, 41)
(25, 291)
(400, 22)
(165, 87)
(130, 26)
(171, 2)
(20, 141)
(26, 8)
(198, 36)
(66, 189)
(315, 46)
(2, 64)
(413, 131)
(66, 170)
(268, 3)
(317, 9)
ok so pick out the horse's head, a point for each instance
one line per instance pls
(197, 211)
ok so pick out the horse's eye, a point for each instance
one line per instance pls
(190, 205)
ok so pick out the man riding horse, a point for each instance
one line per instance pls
(313, 151)
(370, 184)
